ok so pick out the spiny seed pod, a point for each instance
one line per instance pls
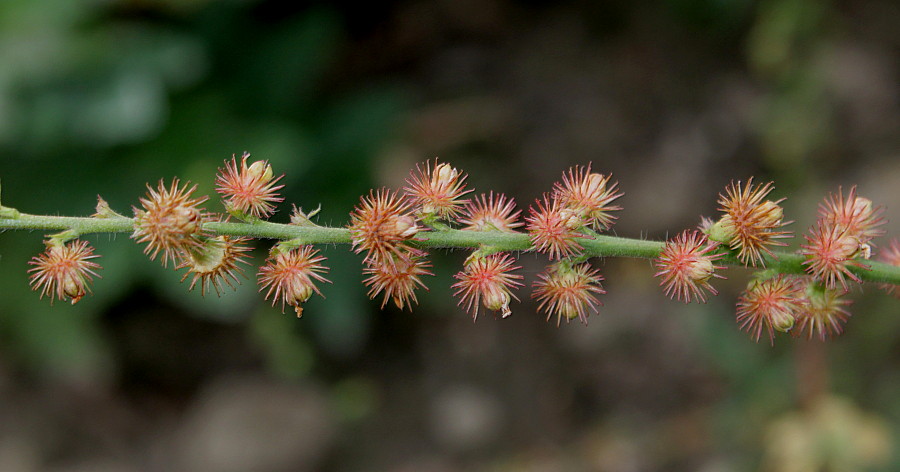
(248, 190)
(823, 314)
(437, 190)
(856, 215)
(380, 224)
(64, 270)
(830, 253)
(398, 279)
(170, 221)
(686, 265)
(554, 230)
(771, 304)
(487, 280)
(491, 213)
(750, 224)
(290, 276)
(214, 263)
(590, 194)
(568, 291)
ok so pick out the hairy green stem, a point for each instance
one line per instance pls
(598, 246)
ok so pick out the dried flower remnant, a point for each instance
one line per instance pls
(823, 314)
(891, 255)
(215, 263)
(249, 190)
(590, 194)
(830, 253)
(554, 230)
(750, 223)
(170, 221)
(488, 281)
(291, 276)
(568, 291)
(103, 210)
(398, 279)
(491, 213)
(686, 265)
(301, 218)
(771, 305)
(437, 190)
(64, 270)
(380, 224)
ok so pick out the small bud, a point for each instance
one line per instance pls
(444, 176)
(721, 231)
(497, 300)
(770, 214)
(595, 184)
(571, 219)
(405, 227)
(862, 206)
(260, 170)
(701, 271)
(782, 321)
(847, 245)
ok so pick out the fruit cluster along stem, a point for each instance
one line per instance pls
(595, 246)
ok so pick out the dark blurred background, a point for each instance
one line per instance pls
(674, 97)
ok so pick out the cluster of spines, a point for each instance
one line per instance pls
(810, 305)
(750, 223)
(290, 275)
(386, 226)
(842, 235)
(686, 265)
(579, 205)
(64, 270)
(568, 290)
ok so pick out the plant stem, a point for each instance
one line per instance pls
(598, 246)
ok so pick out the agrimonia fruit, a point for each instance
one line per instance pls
(803, 293)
